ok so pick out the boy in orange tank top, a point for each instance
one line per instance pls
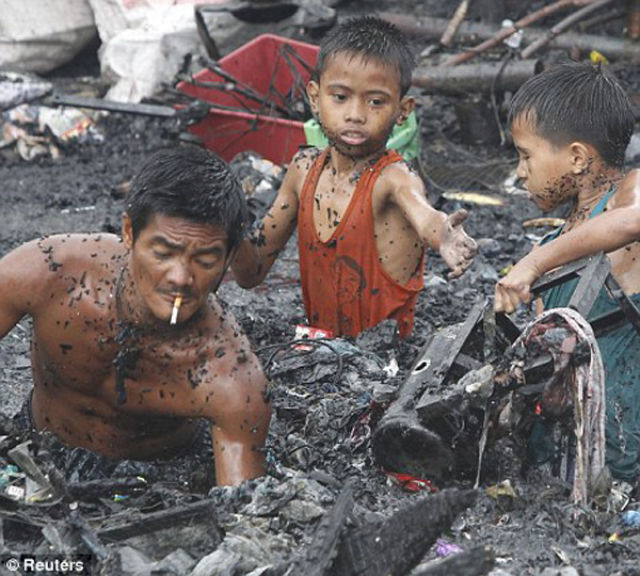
(363, 216)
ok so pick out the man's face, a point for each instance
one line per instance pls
(546, 169)
(358, 102)
(172, 256)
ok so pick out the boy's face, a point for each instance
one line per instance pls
(548, 171)
(358, 102)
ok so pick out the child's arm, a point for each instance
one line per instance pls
(258, 252)
(437, 230)
(608, 232)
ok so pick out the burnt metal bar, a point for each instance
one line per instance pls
(594, 273)
(436, 358)
(508, 327)
(560, 276)
(441, 360)
(630, 310)
(466, 363)
(111, 105)
(197, 511)
(608, 322)
(592, 280)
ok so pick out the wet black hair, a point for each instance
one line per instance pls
(577, 102)
(372, 39)
(191, 183)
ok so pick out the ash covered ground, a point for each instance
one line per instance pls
(319, 437)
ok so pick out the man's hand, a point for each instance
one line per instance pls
(456, 248)
(515, 287)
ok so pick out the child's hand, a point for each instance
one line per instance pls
(456, 248)
(515, 287)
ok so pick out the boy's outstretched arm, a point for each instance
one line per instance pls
(604, 233)
(438, 230)
(258, 252)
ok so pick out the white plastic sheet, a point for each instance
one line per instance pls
(41, 35)
(145, 42)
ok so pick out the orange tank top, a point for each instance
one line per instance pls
(344, 286)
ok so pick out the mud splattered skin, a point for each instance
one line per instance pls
(586, 191)
(117, 380)
(574, 174)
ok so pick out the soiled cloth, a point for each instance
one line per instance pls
(192, 467)
(564, 334)
(620, 351)
(345, 288)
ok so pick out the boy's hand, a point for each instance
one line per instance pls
(456, 248)
(515, 287)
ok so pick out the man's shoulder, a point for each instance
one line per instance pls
(74, 254)
(226, 343)
(220, 323)
(78, 245)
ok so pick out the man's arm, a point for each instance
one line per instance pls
(257, 253)
(438, 230)
(239, 421)
(604, 233)
(23, 277)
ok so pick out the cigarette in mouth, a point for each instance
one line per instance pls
(176, 307)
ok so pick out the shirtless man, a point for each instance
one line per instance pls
(111, 373)
(362, 215)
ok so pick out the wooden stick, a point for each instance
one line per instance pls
(431, 29)
(508, 31)
(457, 19)
(479, 77)
(563, 25)
(601, 19)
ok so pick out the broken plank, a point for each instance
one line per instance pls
(182, 515)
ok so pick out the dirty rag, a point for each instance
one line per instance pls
(586, 381)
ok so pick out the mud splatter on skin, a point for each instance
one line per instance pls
(48, 251)
(569, 186)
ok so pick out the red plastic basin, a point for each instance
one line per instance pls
(261, 65)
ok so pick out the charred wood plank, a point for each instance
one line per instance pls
(323, 549)
(474, 562)
(99, 488)
(395, 545)
(203, 511)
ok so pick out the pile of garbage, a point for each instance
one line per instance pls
(307, 515)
